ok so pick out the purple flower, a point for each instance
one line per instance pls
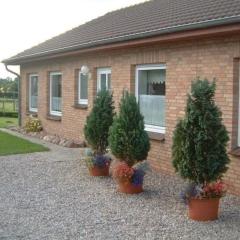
(101, 160)
(137, 178)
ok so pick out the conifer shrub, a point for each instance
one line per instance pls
(128, 140)
(200, 139)
(97, 127)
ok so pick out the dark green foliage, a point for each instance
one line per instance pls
(128, 140)
(200, 139)
(98, 122)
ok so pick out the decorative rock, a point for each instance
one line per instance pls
(55, 139)
(69, 144)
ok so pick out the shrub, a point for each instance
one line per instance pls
(99, 121)
(33, 125)
(128, 140)
(200, 139)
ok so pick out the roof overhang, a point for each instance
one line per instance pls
(168, 36)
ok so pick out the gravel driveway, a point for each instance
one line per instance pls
(50, 195)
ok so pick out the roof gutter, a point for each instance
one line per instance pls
(19, 93)
(133, 36)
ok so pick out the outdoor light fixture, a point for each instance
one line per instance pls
(85, 70)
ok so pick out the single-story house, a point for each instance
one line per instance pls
(154, 49)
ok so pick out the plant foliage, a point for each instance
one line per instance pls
(128, 140)
(33, 125)
(200, 139)
(98, 122)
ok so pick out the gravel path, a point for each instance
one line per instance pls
(51, 196)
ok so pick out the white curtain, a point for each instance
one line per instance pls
(153, 109)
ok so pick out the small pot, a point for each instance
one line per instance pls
(129, 188)
(203, 209)
(99, 171)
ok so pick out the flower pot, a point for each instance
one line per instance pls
(204, 209)
(99, 171)
(129, 188)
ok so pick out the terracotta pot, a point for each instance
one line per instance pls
(129, 188)
(99, 171)
(204, 209)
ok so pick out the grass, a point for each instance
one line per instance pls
(10, 144)
(6, 122)
(7, 105)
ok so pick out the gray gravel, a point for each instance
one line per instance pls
(50, 195)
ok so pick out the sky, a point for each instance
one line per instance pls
(25, 23)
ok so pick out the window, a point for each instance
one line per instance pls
(150, 93)
(33, 92)
(56, 94)
(103, 79)
(83, 89)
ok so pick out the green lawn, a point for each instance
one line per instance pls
(6, 122)
(10, 144)
(7, 105)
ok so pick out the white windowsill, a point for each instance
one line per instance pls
(155, 129)
(35, 110)
(83, 101)
(54, 113)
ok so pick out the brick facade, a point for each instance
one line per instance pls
(207, 58)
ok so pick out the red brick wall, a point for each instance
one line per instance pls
(212, 58)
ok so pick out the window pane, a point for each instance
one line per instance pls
(103, 81)
(33, 92)
(84, 87)
(109, 81)
(56, 93)
(151, 90)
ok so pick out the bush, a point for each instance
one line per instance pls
(200, 139)
(33, 125)
(9, 114)
(99, 121)
(128, 140)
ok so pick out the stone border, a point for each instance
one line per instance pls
(55, 139)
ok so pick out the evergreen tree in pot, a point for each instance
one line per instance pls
(199, 151)
(96, 133)
(129, 142)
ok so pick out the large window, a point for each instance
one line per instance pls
(56, 94)
(150, 92)
(33, 92)
(82, 89)
(103, 79)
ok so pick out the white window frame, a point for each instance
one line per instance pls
(55, 113)
(81, 100)
(103, 71)
(149, 128)
(30, 92)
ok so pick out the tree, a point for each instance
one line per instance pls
(128, 140)
(99, 121)
(200, 139)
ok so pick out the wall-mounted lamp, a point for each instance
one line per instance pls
(85, 70)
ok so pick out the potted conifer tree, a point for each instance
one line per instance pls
(199, 151)
(129, 143)
(96, 133)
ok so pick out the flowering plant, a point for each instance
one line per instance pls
(97, 160)
(204, 191)
(122, 172)
(135, 175)
(33, 125)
